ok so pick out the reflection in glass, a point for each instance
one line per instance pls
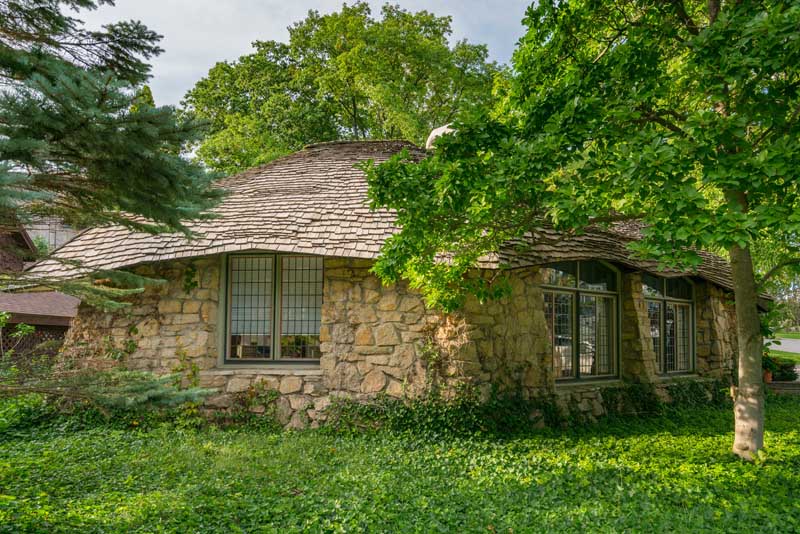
(251, 307)
(563, 274)
(558, 310)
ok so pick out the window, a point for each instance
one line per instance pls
(669, 310)
(580, 304)
(265, 324)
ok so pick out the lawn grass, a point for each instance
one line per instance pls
(787, 335)
(668, 474)
(783, 355)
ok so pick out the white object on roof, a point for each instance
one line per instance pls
(436, 132)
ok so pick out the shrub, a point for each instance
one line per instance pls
(503, 414)
(785, 371)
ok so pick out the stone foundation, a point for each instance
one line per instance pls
(378, 340)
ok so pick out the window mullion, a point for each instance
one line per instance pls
(576, 354)
(276, 307)
(663, 364)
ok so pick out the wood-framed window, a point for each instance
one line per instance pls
(274, 306)
(670, 310)
(581, 310)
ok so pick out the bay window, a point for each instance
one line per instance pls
(580, 300)
(670, 314)
(274, 308)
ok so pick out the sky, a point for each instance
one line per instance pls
(199, 33)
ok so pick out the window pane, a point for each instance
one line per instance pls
(561, 274)
(558, 313)
(652, 286)
(251, 307)
(596, 335)
(654, 314)
(597, 277)
(301, 305)
(677, 339)
(679, 288)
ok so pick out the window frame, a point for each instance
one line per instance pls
(276, 311)
(576, 291)
(663, 301)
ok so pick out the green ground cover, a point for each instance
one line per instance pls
(672, 473)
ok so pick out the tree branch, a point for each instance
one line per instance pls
(777, 268)
(713, 10)
(652, 116)
(680, 10)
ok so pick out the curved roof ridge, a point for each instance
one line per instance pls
(314, 201)
(323, 144)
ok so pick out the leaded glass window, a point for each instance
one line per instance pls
(581, 309)
(251, 283)
(562, 274)
(654, 310)
(670, 314)
(559, 311)
(596, 319)
(301, 305)
(274, 307)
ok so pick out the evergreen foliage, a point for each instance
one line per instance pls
(71, 145)
(78, 142)
(42, 371)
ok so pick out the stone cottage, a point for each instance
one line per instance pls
(277, 290)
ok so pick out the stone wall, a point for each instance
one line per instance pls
(716, 341)
(588, 402)
(176, 318)
(372, 336)
(638, 361)
(376, 340)
(380, 339)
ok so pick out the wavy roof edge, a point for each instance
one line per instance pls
(314, 201)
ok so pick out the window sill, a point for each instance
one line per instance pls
(675, 377)
(587, 382)
(263, 369)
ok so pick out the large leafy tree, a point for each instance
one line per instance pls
(76, 139)
(344, 75)
(683, 114)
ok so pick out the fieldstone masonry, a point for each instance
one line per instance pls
(378, 340)
(639, 359)
(716, 331)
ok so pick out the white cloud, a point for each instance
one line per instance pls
(199, 33)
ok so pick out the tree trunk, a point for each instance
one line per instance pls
(748, 406)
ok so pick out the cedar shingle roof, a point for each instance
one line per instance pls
(315, 202)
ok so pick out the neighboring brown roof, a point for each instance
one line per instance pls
(40, 308)
(315, 202)
(15, 247)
